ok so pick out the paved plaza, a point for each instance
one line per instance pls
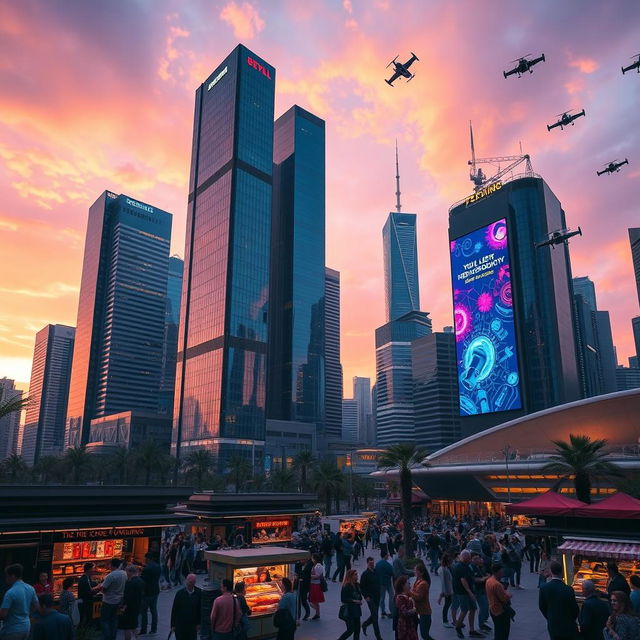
(529, 624)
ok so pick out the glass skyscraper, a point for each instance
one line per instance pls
(117, 355)
(297, 282)
(400, 249)
(43, 432)
(333, 368)
(585, 287)
(9, 424)
(634, 241)
(222, 343)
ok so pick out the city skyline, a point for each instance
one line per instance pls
(57, 157)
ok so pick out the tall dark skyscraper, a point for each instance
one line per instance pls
(333, 368)
(585, 287)
(117, 356)
(635, 326)
(587, 348)
(296, 388)
(43, 433)
(435, 391)
(607, 351)
(362, 395)
(634, 240)
(513, 304)
(9, 424)
(170, 342)
(220, 394)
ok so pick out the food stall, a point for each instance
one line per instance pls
(346, 523)
(261, 570)
(586, 559)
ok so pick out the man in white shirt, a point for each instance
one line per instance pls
(112, 592)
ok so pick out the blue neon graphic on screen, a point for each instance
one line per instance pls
(488, 375)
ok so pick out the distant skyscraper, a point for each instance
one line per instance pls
(513, 304)
(220, 394)
(362, 396)
(333, 368)
(435, 391)
(587, 348)
(635, 325)
(296, 389)
(43, 432)
(10, 424)
(607, 351)
(350, 420)
(627, 378)
(400, 251)
(634, 240)
(585, 287)
(394, 379)
(170, 342)
(117, 356)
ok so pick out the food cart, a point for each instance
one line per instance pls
(586, 559)
(262, 571)
(346, 523)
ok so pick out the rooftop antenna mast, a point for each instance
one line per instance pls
(476, 175)
(398, 205)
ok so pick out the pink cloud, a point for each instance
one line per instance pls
(244, 19)
(585, 65)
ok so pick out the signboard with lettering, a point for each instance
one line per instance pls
(267, 531)
(104, 533)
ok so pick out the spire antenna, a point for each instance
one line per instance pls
(398, 205)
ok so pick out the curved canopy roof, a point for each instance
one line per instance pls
(546, 504)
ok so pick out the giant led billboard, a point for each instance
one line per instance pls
(488, 375)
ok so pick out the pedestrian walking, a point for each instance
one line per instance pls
(67, 601)
(557, 602)
(406, 622)
(634, 582)
(446, 594)
(304, 586)
(316, 594)
(399, 567)
(112, 593)
(225, 614)
(326, 548)
(622, 624)
(87, 587)
(616, 582)
(131, 605)
(185, 612)
(245, 610)
(52, 624)
(151, 578)
(594, 613)
(463, 591)
(480, 577)
(543, 569)
(385, 575)
(337, 545)
(420, 595)
(384, 541)
(351, 608)
(285, 617)
(433, 544)
(371, 590)
(18, 603)
(499, 603)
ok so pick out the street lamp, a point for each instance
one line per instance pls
(507, 450)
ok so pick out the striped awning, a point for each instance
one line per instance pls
(603, 549)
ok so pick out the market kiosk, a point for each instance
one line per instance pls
(261, 570)
(346, 523)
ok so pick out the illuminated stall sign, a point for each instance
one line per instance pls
(488, 374)
(275, 530)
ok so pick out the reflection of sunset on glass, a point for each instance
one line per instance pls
(99, 96)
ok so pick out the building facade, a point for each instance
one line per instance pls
(635, 327)
(362, 395)
(9, 424)
(627, 378)
(607, 350)
(117, 355)
(634, 241)
(333, 368)
(516, 350)
(394, 377)
(43, 432)
(220, 398)
(170, 341)
(350, 420)
(435, 390)
(585, 287)
(587, 348)
(296, 389)
(129, 429)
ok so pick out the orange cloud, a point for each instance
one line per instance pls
(585, 65)
(244, 19)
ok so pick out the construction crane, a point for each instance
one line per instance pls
(479, 177)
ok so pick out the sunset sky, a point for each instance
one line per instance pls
(98, 94)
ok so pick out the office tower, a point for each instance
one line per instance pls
(513, 304)
(374, 424)
(222, 345)
(333, 368)
(634, 362)
(362, 396)
(627, 378)
(634, 240)
(590, 371)
(296, 389)
(128, 430)
(435, 390)
(350, 420)
(43, 432)
(170, 341)
(400, 252)
(394, 379)
(9, 424)
(117, 355)
(635, 325)
(608, 358)
(585, 287)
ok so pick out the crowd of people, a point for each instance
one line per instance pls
(478, 562)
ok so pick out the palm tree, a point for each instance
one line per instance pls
(12, 405)
(584, 459)
(46, 468)
(326, 481)
(147, 455)
(77, 460)
(303, 463)
(404, 456)
(198, 464)
(238, 469)
(14, 467)
(281, 480)
(119, 461)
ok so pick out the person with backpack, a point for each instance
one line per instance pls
(285, 617)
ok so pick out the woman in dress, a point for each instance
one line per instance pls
(351, 598)
(316, 596)
(407, 623)
(622, 624)
(420, 595)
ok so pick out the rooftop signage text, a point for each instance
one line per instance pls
(139, 205)
(258, 67)
(478, 195)
(215, 81)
